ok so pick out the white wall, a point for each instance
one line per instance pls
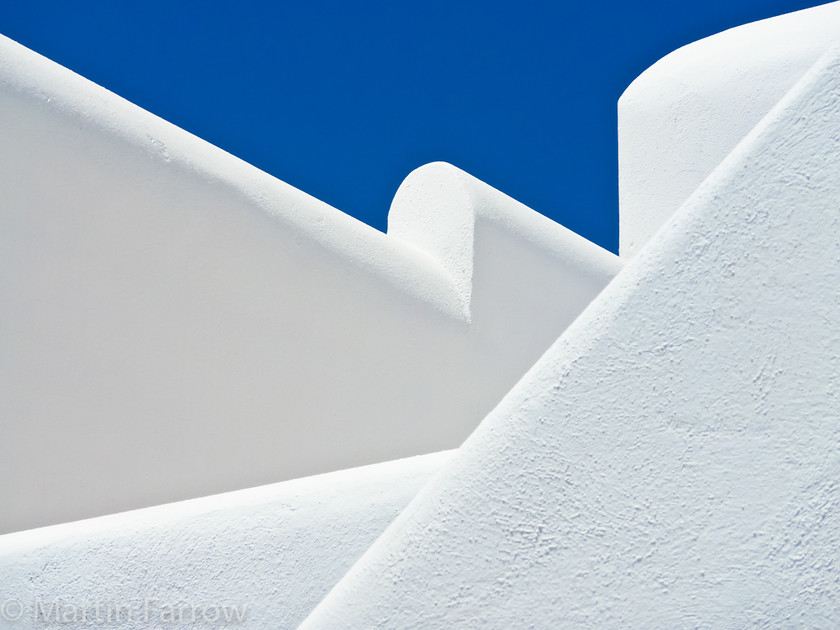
(272, 552)
(672, 461)
(177, 323)
(683, 115)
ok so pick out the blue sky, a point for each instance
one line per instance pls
(344, 99)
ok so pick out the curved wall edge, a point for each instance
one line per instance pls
(682, 116)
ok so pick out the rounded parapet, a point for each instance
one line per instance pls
(683, 115)
(440, 209)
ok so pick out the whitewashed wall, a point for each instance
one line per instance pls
(672, 461)
(256, 558)
(176, 323)
(683, 115)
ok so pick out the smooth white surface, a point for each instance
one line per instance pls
(272, 552)
(177, 323)
(673, 460)
(524, 278)
(683, 115)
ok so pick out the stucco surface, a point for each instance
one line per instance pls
(683, 115)
(166, 307)
(673, 460)
(271, 552)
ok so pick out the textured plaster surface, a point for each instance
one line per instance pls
(683, 115)
(673, 460)
(166, 307)
(268, 554)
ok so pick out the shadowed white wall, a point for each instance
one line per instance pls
(176, 323)
(672, 461)
(683, 115)
(272, 552)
